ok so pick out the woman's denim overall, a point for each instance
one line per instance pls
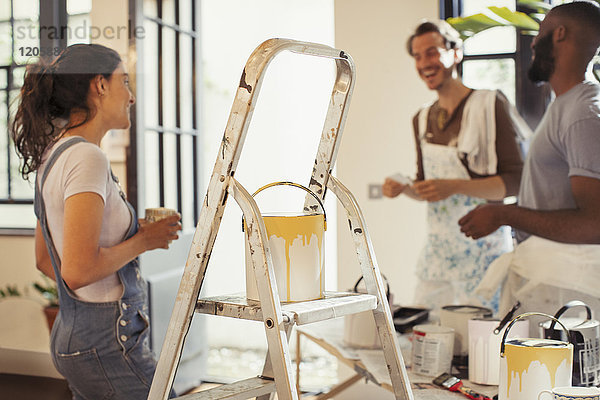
(100, 348)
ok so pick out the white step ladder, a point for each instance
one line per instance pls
(278, 319)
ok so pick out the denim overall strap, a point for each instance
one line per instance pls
(40, 210)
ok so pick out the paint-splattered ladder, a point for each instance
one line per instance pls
(278, 318)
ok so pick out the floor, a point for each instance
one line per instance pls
(21, 387)
(318, 373)
(318, 370)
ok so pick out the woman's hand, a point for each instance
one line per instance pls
(158, 235)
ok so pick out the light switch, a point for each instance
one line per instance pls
(375, 191)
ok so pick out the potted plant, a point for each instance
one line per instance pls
(49, 291)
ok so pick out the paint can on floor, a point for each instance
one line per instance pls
(432, 349)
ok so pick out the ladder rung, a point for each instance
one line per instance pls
(333, 305)
(246, 389)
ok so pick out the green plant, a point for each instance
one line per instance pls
(10, 291)
(48, 290)
(528, 23)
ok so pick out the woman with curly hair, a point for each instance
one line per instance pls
(87, 236)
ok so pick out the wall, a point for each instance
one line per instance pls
(283, 135)
(378, 138)
(378, 141)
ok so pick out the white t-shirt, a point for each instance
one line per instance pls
(81, 168)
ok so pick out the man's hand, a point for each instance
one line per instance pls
(435, 189)
(392, 188)
(482, 220)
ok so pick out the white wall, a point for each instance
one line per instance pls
(378, 139)
(283, 136)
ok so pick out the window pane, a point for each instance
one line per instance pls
(185, 86)
(3, 80)
(5, 39)
(150, 76)
(491, 74)
(187, 179)
(170, 170)
(18, 76)
(79, 29)
(185, 15)
(151, 171)
(150, 8)
(4, 10)
(25, 9)
(3, 148)
(17, 216)
(495, 40)
(79, 6)
(27, 42)
(168, 11)
(168, 75)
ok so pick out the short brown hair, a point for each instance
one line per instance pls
(451, 37)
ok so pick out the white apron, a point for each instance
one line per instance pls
(448, 254)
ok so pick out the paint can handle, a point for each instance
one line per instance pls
(525, 315)
(299, 186)
(570, 304)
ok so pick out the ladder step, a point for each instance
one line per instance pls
(333, 305)
(246, 389)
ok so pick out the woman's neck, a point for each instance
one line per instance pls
(89, 130)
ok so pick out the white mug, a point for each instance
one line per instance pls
(572, 393)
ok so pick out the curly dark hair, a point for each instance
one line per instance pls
(451, 37)
(49, 95)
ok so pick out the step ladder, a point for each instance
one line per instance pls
(279, 319)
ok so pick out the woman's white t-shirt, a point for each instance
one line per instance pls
(81, 168)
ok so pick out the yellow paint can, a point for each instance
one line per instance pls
(530, 365)
(296, 246)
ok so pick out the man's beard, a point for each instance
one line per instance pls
(542, 67)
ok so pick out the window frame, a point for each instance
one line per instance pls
(531, 99)
(52, 13)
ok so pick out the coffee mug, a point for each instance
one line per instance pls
(156, 214)
(572, 393)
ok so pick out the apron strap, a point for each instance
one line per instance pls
(422, 121)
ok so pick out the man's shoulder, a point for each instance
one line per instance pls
(581, 102)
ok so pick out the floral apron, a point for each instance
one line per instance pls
(100, 348)
(448, 254)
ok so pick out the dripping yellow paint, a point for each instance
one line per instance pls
(519, 357)
(297, 227)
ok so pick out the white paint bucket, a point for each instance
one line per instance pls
(432, 349)
(360, 330)
(528, 366)
(457, 317)
(484, 348)
(296, 244)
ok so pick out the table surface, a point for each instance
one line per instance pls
(371, 363)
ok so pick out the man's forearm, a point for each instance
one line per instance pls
(567, 226)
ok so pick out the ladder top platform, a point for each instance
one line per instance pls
(333, 305)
